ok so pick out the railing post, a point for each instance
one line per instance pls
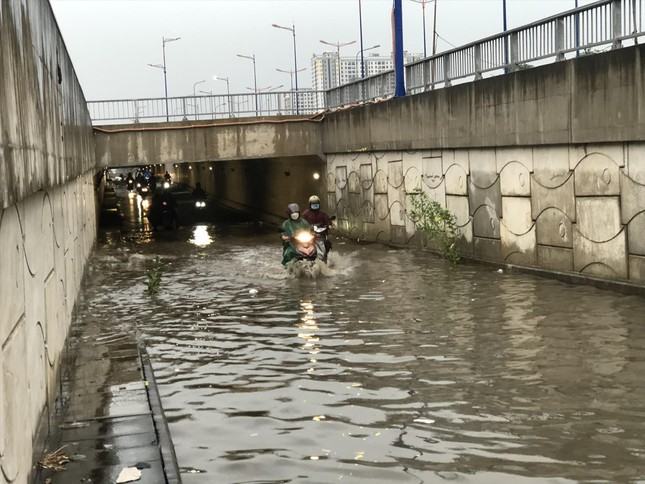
(478, 62)
(559, 39)
(616, 23)
(183, 105)
(446, 70)
(515, 51)
(426, 74)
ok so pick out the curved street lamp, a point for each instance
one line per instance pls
(292, 29)
(255, 77)
(165, 41)
(338, 45)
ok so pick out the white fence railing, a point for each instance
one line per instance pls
(604, 24)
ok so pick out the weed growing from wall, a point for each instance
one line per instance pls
(154, 277)
(437, 224)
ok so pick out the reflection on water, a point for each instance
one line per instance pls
(396, 369)
(201, 237)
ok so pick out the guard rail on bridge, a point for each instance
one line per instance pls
(601, 25)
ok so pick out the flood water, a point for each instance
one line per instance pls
(394, 368)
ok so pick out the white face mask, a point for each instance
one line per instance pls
(295, 216)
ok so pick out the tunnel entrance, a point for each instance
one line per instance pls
(222, 192)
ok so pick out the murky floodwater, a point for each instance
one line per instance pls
(397, 368)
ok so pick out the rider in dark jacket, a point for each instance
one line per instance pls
(314, 215)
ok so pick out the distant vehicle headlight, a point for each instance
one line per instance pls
(145, 204)
(166, 185)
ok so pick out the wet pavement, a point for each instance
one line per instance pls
(392, 367)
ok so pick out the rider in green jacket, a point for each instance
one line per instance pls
(290, 226)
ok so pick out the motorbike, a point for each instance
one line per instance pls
(304, 244)
(323, 245)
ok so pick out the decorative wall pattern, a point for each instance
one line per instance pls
(45, 241)
(563, 208)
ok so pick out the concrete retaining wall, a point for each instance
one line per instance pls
(594, 99)
(45, 129)
(45, 241)
(571, 208)
(207, 141)
(47, 220)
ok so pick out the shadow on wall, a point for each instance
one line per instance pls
(260, 187)
(577, 208)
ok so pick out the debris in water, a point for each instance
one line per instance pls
(253, 292)
(500, 271)
(128, 474)
(55, 461)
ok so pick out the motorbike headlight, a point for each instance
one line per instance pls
(138, 185)
(304, 237)
(145, 204)
(166, 185)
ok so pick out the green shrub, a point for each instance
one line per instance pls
(437, 224)
(154, 277)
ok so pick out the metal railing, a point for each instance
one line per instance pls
(604, 24)
(206, 107)
(609, 23)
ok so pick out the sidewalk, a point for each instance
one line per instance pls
(113, 417)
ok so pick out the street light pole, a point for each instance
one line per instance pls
(164, 41)
(338, 45)
(362, 58)
(255, 78)
(195, 84)
(228, 93)
(423, 7)
(360, 21)
(292, 29)
(291, 75)
(210, 93)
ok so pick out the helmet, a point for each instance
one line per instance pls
(314, 199)
(293, 207)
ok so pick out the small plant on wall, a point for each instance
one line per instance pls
(437, 224)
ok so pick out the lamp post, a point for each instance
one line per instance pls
(210, 93)
(255, 78)
(423, 7)
(165, 41)
(291, 73)
(292, 29)
(360, 25)
(195, 84)
(363, 58)
(338, 45)
(228, 93)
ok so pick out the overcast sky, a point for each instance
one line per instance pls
(112, 41)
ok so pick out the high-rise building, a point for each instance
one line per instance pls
(308, 102)
(324, 68)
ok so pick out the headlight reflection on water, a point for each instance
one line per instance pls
(201, 237)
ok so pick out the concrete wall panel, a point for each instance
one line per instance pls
(560, 197)
(554, 228)
(551, 165)
(635, 162)
(515, 179)
(598, 218)
(597, 174)
(12, 260)
(637, 269)
(487, 249)
(604, 259)
(518, 249)
(555, 258)
(636, 235)
(632, 196)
